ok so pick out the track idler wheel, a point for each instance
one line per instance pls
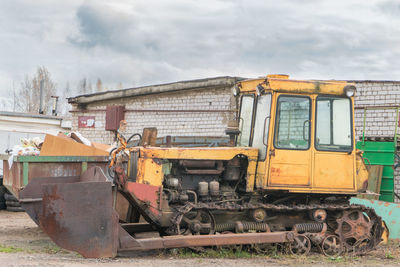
(354, 230)
(331, 246)
(301, 245)
(198, 222)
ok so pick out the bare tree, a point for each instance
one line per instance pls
(85, 86)
(82, 86)
(29, 93)
(64, 107)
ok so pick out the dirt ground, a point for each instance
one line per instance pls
(23, 244)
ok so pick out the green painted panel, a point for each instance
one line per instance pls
(60, 159)
(387, 184)
(379, 158)
(381, 153)
(25, 173)
(371, 146)
(388, 171)
(386, 196)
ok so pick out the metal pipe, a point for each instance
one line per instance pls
(194, 195)
(396, 124)
(41, 97)
(55, 104)
(363, 132)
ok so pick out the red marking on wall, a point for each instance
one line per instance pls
(86, 121)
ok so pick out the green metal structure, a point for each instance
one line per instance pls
(381, 153)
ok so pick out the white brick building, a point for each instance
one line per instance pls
(190, 108)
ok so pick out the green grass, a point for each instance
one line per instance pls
(388, 255)
(10, 249)
(211, 253)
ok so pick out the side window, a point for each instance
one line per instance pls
(293, 123)
(246, 115)
(261, 125)
(333, 126)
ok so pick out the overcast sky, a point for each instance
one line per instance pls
(150, 42)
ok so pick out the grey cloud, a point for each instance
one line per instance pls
(146, 42)
(257, 36)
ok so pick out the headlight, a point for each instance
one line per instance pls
(350, 90)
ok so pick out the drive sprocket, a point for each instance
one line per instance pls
(359, 230)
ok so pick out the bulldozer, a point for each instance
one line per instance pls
(286, 177)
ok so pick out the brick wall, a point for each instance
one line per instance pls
(380, 120)
(373, 95)
(215, 108)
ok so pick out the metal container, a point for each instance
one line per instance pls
(203, 189)
(214, 188)
(26, 168)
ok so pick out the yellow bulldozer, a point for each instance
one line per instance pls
(286, 177)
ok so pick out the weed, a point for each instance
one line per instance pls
(388, 255)
(213, 253)
(10, 249)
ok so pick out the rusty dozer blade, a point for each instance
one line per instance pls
(75, 212)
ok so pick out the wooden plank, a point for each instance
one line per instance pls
(59, 146)
(375, 179)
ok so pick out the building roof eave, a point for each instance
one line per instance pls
(155, 89)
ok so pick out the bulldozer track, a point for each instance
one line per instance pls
(357, 249)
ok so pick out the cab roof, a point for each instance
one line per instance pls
(282, 83)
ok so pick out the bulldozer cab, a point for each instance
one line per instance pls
(303, 131)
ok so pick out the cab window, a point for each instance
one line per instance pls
(261, 125)
(333, 124)
(245, 120)
(293, 123)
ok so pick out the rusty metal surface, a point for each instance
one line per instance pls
(25, 168)
(147, 194)
(80, 217)
(114, 114)
(206, 240)
(390, 213)
(33, 191)
(94, 174)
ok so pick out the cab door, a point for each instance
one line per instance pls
(290, 152)
(334, 157)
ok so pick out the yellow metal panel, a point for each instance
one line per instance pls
(149, 172)
(295, 86)
(333, 170)
(211, 153)
(208, 153)
(290, 168)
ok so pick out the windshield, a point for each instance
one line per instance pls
(333, 128)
